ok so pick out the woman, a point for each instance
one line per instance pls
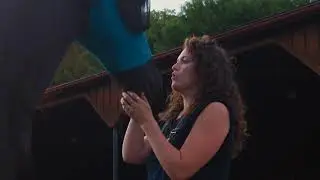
(203, 124)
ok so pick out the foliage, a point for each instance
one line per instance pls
(77, 63)
(198, 17)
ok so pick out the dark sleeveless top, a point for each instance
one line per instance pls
(177, 131)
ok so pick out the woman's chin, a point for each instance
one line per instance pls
(174, 87)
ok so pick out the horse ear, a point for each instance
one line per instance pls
(135, 14)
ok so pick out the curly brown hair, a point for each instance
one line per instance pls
(216, 76)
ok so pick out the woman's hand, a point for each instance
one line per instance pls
(138, 108)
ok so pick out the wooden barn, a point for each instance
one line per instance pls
(278, 67)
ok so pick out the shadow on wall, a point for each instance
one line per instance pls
(70, 142)
(281, 95)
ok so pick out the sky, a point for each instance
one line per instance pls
(169, 4)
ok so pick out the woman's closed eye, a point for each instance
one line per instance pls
(186, 59)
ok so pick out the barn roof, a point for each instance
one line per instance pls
(255, 27)
(276, 21)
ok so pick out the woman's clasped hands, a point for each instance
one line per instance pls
(136, 107)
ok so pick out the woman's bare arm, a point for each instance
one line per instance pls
(201, 145)
(135, 147)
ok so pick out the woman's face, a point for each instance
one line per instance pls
(183, 73)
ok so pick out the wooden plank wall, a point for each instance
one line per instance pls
(48, 103)
(106, 101)
(304, 43)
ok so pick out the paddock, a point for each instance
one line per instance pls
(277, 62)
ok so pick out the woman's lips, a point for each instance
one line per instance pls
(173, 76)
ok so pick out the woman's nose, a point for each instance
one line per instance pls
(174, 67)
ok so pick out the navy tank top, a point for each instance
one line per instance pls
(176, 131)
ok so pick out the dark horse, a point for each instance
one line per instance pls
(34, 36)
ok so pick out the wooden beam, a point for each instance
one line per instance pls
(60, 101)
(304, 44)
(251, 46)
(106, 101)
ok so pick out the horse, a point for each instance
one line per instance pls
(35, 35)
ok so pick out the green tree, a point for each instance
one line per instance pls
(168, 27)
(77, 63)
(210, 17)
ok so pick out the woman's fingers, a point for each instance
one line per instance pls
(137, 98)
(131, 101)
(125, 106)
(123, 102)
(134, 96)
(127, 98)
